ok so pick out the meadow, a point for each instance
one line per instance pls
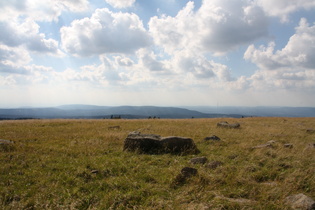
(80, 164)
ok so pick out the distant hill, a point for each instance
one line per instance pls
(99, 112)
(262, 111)
(141, 112)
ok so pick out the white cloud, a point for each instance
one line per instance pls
(298, 53)
(14, 56)
(105, 32)
(121, 3)
(27, 33)
(39, 10)
(283, 8)
(218, 26)
(149, 60)
(291, 67)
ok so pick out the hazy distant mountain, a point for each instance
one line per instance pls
(258, 111)
(98, 112)
(138, 112)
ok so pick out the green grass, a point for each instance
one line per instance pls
(51, 163)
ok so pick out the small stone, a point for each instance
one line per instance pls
(199, 160)
(288, 145)
(213, 138)
(181, 178)
(309, 147)
(232, 157)
(3, 141)
(262, 146)
(6, 145)
(300, 201)
(225, 124)
(214, 164)
(94, 171)
(188, 172)
(310, 131)
(285, 166)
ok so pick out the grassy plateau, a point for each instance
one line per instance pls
(80, 164)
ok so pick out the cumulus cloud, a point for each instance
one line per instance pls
(291, 67)
(218, 26)
(149, 60)
(105, 32)
(27, 33)
(121, 3)
(283, 8)
(15, 65)
(13, 55)
(298, 53)
(38, 10)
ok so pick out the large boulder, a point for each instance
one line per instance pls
(155, 144)
(142, 143)
(178, 145)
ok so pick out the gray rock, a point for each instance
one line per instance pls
(310, 131)
(181, 178)
(232, 157)
(94, 171)
(6, 145)
(136, 134)
(262, 146)
(199, 160)
(188, 172)
(225, 124)
(3, 141)
(115, 127)
(300, 201)
(310, 147)
(214, 164)
(213, 138)
(141, 145)
(179, 145)
(271, 142)
(288, 146)
(154, 144)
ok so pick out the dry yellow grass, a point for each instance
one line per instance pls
(79, 164)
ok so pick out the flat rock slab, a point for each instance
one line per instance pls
(155, 144)
(225, 124)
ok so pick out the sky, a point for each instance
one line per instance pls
(157, 52)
